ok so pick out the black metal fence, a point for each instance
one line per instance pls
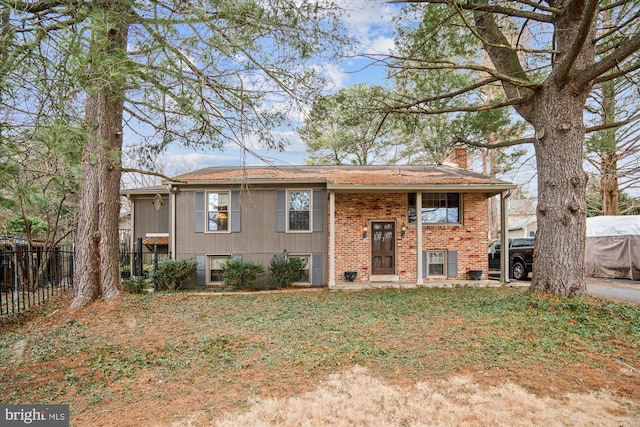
(30, 275)
(137, 262)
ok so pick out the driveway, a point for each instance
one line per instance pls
(621, 290)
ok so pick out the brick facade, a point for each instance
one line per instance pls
(353, 251)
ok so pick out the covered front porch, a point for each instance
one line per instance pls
(372, 225)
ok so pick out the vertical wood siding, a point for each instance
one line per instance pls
(257, 239)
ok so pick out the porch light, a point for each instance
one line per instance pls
(403, 230)
(365, 229)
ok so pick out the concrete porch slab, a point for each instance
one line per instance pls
(360, 286)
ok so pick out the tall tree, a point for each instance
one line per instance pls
(613, 152)
(107, 64)
(547, 83)
(344, 128)
(201, 74)
(40, 138)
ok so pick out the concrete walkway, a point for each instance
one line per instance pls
(358, 286)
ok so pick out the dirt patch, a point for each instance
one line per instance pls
(355, 397)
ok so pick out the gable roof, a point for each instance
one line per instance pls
(352, 178)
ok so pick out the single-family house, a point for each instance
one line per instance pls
(377, 223)
(522, 221)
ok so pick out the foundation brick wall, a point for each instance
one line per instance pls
(353, 252)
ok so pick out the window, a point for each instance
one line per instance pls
(215, 267)
(522, 243)
(305, 273)
(299, 210)
(218, 211)
(435, 263)
(437, 208)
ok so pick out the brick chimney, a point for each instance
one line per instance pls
(457, 156)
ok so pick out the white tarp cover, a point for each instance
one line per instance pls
(613, 247)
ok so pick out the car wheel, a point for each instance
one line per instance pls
(518, 271)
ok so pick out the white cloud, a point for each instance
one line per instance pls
(370, 22)
(336, 75)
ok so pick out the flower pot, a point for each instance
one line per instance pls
(475, 274)
(350, 276)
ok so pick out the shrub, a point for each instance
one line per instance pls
(172, 272)
(135, 285)
(285, 270)
(147, 270)
(125, 271)
(240, 274)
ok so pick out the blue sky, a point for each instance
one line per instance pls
(370, 21)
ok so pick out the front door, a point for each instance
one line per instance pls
(383, 248)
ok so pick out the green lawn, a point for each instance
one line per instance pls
(217, 352)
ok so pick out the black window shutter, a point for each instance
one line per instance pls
(281, 211)
(236, 221)
(318, 208)
(452, 263)
(201, 272)
(199, 209)
(316, 269)
(424, 264)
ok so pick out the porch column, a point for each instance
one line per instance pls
(132, 232)
(504, 238)
(332, 239)
(172, 222)
(419, 271)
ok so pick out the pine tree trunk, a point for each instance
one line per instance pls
(97, 261)
(110, 167)
(562, 182)
(609, 188)
(86, 286)
(557, 117)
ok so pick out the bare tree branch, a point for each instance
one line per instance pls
(503, 144)
(589, 14)
(621, 72)
(151, 173)
(491, 8)
(608, 125)
(457, 109)
(505, 59)
(432, 65)
(582, 77)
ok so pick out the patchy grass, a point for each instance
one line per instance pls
(164, 357)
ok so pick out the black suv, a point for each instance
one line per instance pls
(520, 257)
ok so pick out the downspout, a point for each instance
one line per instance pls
(132, 233)
(504, 238)
(419, 272)
(332, 239)
(172, 222)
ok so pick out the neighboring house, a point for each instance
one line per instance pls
(385, 223)
(522, 218)
(525, 227)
